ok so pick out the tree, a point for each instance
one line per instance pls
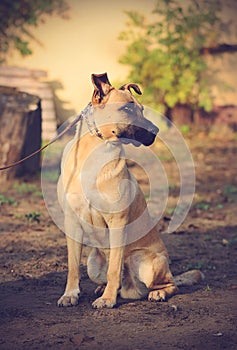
(166, 54)
(17, 17)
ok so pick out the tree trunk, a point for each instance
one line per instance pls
(218, 49)
(182, 114)
(20, 132)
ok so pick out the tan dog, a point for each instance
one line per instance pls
(103, 205)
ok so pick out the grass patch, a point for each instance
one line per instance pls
(170, 210)
(30, 217)
(7, 200)
(33, 216)
(230, 189)
(185, 129)
(27, 188)
(202, 206)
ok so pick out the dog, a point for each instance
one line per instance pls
(103, 204)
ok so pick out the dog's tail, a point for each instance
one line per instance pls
(189, 278)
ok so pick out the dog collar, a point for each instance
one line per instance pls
(88, 115)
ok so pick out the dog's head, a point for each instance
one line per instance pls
(119, 115)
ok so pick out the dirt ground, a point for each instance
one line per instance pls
(33, 267)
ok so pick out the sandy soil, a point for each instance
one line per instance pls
(33, 267)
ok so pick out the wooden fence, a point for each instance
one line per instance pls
(33, 82)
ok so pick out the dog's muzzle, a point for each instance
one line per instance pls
(145, 134)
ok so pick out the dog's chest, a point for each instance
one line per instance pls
(97, 190)
(89, 220)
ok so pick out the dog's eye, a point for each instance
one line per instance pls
(129, 108)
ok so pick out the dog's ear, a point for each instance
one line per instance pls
(102, 87)
(135, 87)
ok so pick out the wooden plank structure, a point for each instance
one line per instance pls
(33, 81)
(20, 132)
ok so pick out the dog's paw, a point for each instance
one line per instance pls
(100, 303)
(157, 295)
(69, 299)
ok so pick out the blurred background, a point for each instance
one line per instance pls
(182, 53)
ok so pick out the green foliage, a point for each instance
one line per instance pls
(27, 188)
(231, 192)
(164, 54)
(202, 206)
(230, 189)
(16, 19)
(170, 211)
(6, 200)
(33, 217)
(185, 129)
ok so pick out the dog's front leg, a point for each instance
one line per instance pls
(74, 236)
(72, 291)
(109, 297)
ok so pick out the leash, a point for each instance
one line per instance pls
(79, 117)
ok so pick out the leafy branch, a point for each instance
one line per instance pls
(167, 52)
(17, 17)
